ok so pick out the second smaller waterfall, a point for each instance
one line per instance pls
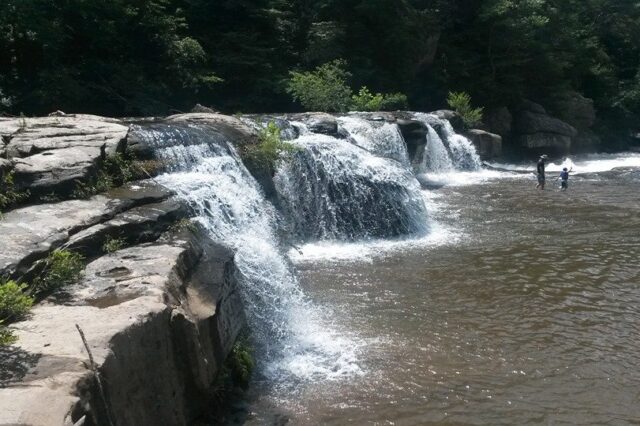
(445, 150)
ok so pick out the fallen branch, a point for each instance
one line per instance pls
(96, 374)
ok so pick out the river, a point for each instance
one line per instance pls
(518, 307)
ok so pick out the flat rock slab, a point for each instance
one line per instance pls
(30, 233)
(30, 136)
(57, 169)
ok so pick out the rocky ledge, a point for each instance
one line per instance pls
(158, 318)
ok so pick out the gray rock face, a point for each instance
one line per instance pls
(29, 234)
(529, 123)
(159, 320)
(489, 145)
(454, 118)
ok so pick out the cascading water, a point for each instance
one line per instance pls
(293, 337)
(448, 153)
(380, 138)
(335, 190)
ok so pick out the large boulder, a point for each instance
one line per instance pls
(499, 121)
(536, 131)
(158, 319)
(488, 145)
(576, 110)
(453, 117)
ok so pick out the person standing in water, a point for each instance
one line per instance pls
(564, 179)
(540, 170)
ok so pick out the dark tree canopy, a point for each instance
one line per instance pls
(135, 57)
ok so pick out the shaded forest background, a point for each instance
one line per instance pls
(146, 57)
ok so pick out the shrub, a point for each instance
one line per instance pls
(394, 102)
(324, 89)
(461, 103)
(9, 197)
(62, 267)
(14, 303)
(366, 101)
(116, 170)
(240, 363)
(269, 151)
(183, 224)
(6, 336)
(112, 245)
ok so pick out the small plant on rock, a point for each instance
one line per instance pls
(62, 267)
(269, 151)
(461, 103)
(112, 245)
(14, 302)
(9, 197)
(14, 305)
(323, 89)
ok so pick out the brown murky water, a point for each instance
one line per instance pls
(530, 315)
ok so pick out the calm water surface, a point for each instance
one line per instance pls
(527, 312)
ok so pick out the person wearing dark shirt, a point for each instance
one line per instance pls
(564, 178)
(540, 171)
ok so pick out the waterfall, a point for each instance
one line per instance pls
(446, 151)
(333, 189)
(292, 336)
(380, 138)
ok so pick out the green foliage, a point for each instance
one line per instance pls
(115, 170)
(183, 224)
(461, 103)
(14, 303)
(324, 89)
(6, 336)
(112, 245)
(394, 102)
(9, 197)
(269, 151)
(241, 363)
(61, 268)
(366, 101)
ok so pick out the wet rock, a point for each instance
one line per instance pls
(530, 123)
(30, 233)
(538, 132)
(318, 122)
(159, 320)
(414, 133)
(202, 108)
(454, 118)
(232, 127)
(489, 145)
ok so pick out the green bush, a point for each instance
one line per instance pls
(270, 149)
(116, 170)
(62, 267)
(6, 336)
(14, 302)
(241, 363)
(9, 197)
(366, 101)
(394, 102)
(461, 103)
(112, 245)
(324, 89)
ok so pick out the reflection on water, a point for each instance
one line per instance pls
(531, 316)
